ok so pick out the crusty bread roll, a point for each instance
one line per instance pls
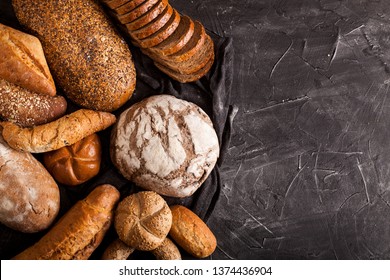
(75, 164)
(117, 250)
(87, 57)
(167, 251)
(191, 233)
(27, 108)
(62, 132)
(165, 144)
(143, 220)
(29, 197)
(22, 61)
(80, 231)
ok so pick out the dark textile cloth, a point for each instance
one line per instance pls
(211, 93)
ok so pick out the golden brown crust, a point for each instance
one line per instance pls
(167, 251)
(22, 61)
(143, 220)
(75, 164)
(88, 58)
(191, 233)
(62, 132)
(27, 108)
(117, 250)
(77, 234)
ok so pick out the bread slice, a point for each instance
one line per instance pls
(113, 4)
(148, 17)
(195, 63)
(186, 78)
(193, 45)
(22, 61)
(163, 33)
(128, 6)
(178, 39)
(155, 25)
(137, 12)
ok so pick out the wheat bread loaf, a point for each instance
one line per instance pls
(137, 12)
(154, 25)
(128, 6)
(80, 231)
(87, 57)
(149, 16)
(27, 108)
(177, 40)
(22, 61)
(62, 132)
(165, 144)
(29, 196)
(143, 220)
(116, 3)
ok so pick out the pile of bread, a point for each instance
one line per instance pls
(165, 145)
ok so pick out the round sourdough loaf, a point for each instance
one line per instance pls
(165, 144)
(143, 220)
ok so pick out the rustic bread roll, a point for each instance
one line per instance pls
(22, 61)
(75, 164)
(117, 250)
(62, 132)
(27, 108)
(80, 231)
(29, 197)
(167, 251)
(87, 57)
(143, 220)
(165, 144)
(191, 233)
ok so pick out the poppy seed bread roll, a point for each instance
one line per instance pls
(86, 55)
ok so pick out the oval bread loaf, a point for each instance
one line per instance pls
(86, 55)
(29, 196)
(191, 233)
(80, 231)
(143, 220)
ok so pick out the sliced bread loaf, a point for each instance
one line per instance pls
(148, 17)
(178, 39)
(128, 6)
(137, 12)
(113, 4)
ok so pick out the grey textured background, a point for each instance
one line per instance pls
(307, 170)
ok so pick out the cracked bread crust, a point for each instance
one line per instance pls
(165, 144)
(29, 196)
(143, 220)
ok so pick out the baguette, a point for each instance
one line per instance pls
(80, 231)
(22, 61)
(27, 108)
(62, 132)
(29, 196)
(88, 58)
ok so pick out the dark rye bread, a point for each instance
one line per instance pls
(189, 66)
(163, 33)
(148, 17)
(137, 12)
(113, 4)
(186, 78)
(128, 6)
(155, 25)
(177, 40)
(193, 45)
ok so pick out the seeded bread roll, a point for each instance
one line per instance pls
(22, 62)
(165, 144)
(143, 220)
(167, 251)
(80, 231)
(62, 132)
(117, 250)
(191, 233)
(29, 196)
(27, 108)
(87, 57)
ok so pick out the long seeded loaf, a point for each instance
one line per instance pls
(23, 62)
(62, 132)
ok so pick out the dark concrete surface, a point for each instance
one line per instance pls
(307, 171)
